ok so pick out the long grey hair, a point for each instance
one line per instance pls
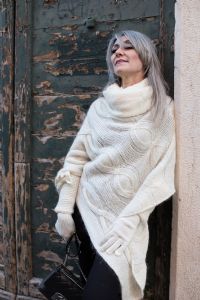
(152, 69)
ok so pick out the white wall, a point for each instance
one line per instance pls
(185, 259)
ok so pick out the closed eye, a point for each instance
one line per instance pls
(129, 47)
(126, 48)
(114, 50)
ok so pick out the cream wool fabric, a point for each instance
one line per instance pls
(122, 166)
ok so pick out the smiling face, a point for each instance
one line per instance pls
(126, 62)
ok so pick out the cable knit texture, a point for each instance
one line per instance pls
(126, 167)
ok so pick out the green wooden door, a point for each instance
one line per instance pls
(53, 67)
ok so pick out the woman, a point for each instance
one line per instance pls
(120, 166)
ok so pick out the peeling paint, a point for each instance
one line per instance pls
(102, 33)
(50, 2)
(70, 27)
(41, 100)
(47, 56)
(100, 70)
(56, 71)
(42, 187)
(49, 255)
(57, 37)
(43, 139)
(53, 122)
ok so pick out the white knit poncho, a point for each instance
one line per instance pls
(121, 164)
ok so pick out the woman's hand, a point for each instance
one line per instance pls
(65, 225)
(120, 235)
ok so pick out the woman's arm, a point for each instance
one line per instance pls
(67, 182)
(75, 159)
(157, 187)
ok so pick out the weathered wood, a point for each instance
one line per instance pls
(59, 115)
(21, 297)
(23, 227)
(22, 80)
(1, 212)
(59, 71)
(76, 12)
(168, 21)
(2, 282)
(33, 287)
(2, 279)
(22, 111)
(4, 295)
(164, 211)
(62, 43)
(62, 52)
(7, 80)
(69, 61)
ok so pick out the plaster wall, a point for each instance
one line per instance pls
(185, 258)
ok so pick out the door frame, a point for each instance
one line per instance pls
(16, 37)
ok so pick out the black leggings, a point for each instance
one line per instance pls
(102, 282)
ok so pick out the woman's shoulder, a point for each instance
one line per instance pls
(94, 106)
(169, 108)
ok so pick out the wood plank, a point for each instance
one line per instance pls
(68, 61)
(4, 295)
(23, 45)
(168, 43)
(7, 81)
(55, 146)
(21, 297)
(77, 42)
(53, 13)
(2, 28)
(2, 279)
(33, 287)
(23, 227)
(1, 109)
(59, 115)
(22, 80)
(164, 211)
(62, 52)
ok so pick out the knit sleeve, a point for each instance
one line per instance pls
(157, 187)
(75, 160)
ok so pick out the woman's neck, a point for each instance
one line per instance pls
(127, 81)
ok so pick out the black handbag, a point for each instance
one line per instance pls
(61, 283)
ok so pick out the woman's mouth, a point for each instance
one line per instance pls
(119, 61)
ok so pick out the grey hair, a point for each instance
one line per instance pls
(152, 68)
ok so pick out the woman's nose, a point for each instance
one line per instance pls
(119, 51)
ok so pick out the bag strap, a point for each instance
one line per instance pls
(67, 249)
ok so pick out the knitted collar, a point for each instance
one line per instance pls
(128, 102)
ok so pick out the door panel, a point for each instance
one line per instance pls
(59, 58)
